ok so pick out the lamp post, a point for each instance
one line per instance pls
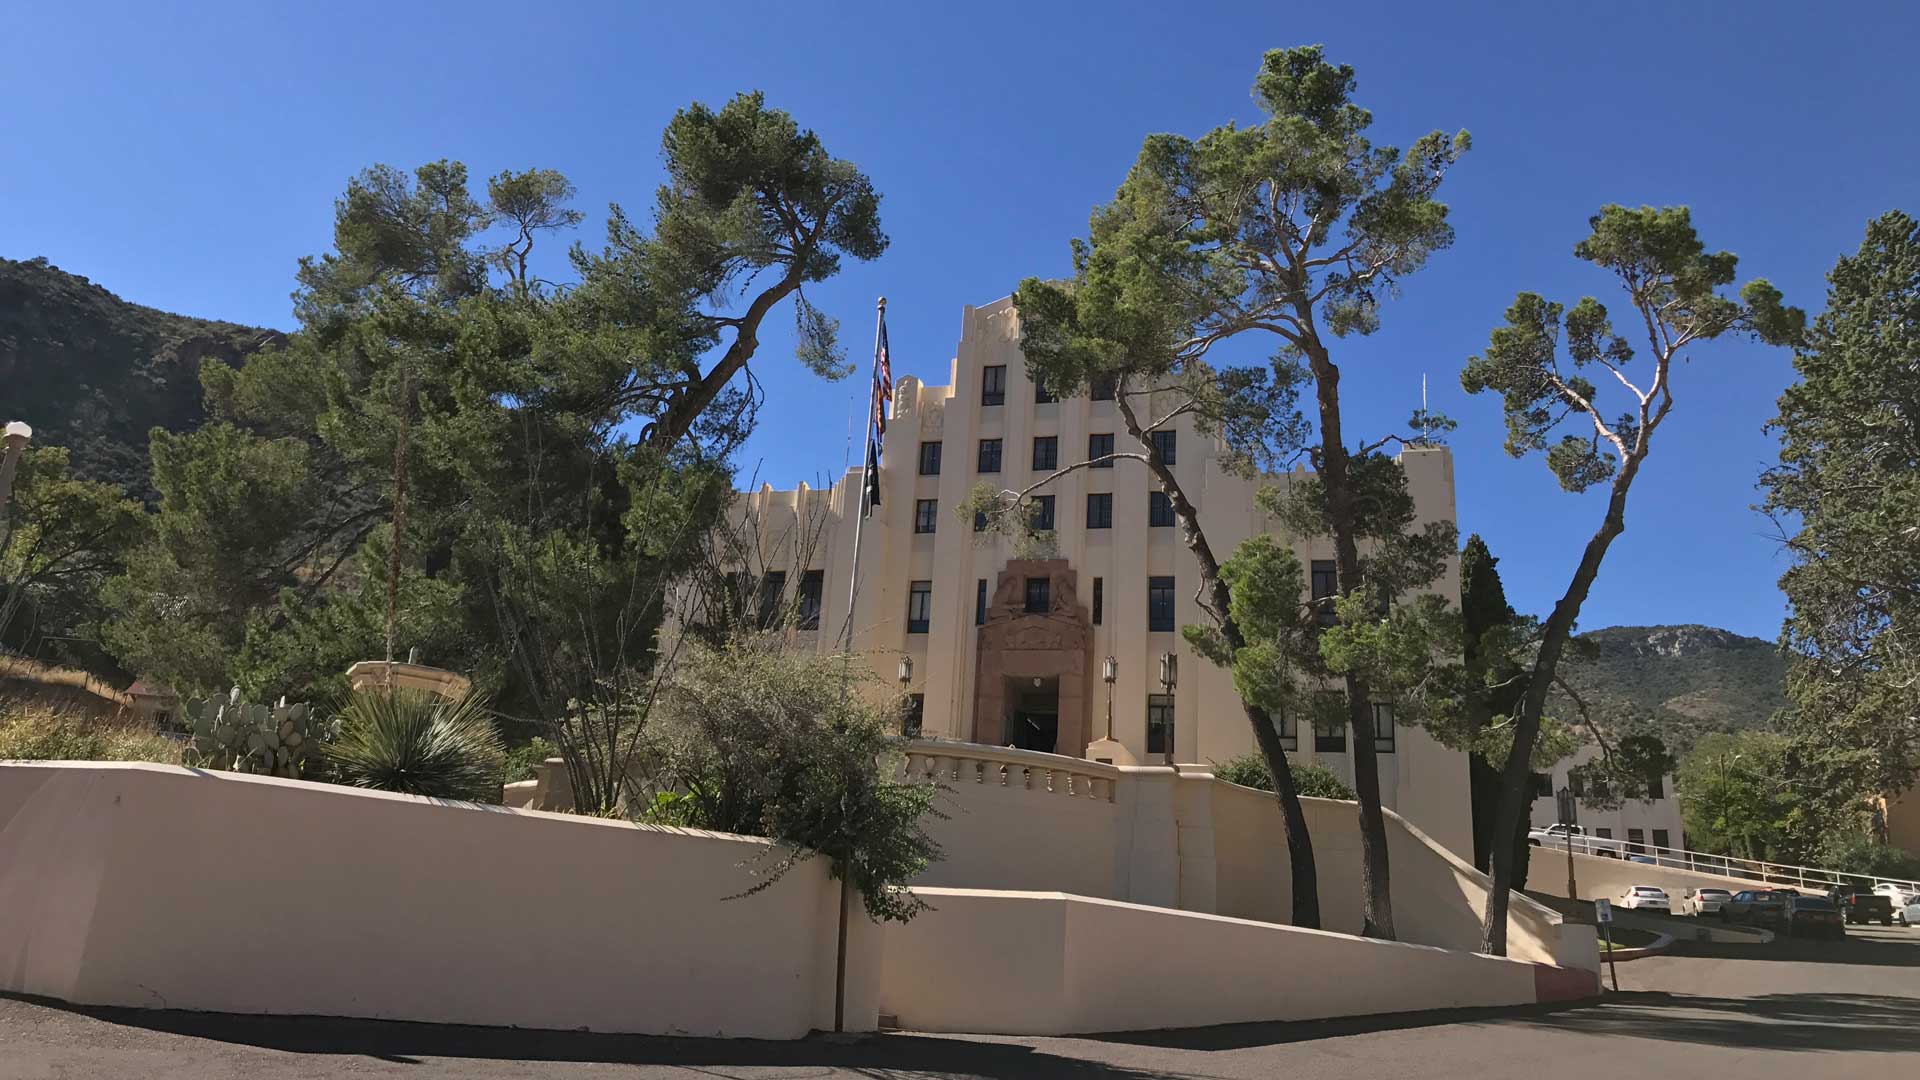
(13, 443)
(906, 702)
(1169, 678)
(1109, 671)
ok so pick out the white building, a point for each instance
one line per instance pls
(1010, 651)
(1643, 823)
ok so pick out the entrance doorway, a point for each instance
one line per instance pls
(1035, 723)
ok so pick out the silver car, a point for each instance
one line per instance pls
(1699, 902)
(1909, 915)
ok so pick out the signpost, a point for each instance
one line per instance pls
(1603, 915)
(1569, 814)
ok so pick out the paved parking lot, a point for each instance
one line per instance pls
(1793, 1010)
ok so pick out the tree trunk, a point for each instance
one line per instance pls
(1375, 878)
(686, 407)
(1516, 777)
(1218, 600)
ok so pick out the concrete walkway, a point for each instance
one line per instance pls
(1790, 1010)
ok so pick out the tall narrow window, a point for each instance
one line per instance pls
(1159, 510)
(980, 602)
(1542, 785)
(1160, 604)
(1046, 453)
(1636, 841)
(1042, 512)
(989, 455)
(1285, 726)
(926, 512)
(773, 588)
(811, 583)
(1661, 840)
(930, 459)
(1159, 723)
(1099, 599)
(993, 385)
(1100, 510)
(979, 521)
(1039, 595)
(1329, 732)
(1325, 585)
(1163, 441)
(1103, 386)
(1042, 395)
(1656, 786)
(1383, 727)
(1100, 450)
(919, 607)
(916, 713)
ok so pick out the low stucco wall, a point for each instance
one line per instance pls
(1050, 964)
(149, 885)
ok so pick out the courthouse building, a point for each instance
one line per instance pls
(1010, 651)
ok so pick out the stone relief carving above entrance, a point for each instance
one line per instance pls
(1039, 649)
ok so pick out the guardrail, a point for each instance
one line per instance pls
(1031, 770)
(1758, 870)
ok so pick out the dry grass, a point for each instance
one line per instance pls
(31, 732)
(21, 669)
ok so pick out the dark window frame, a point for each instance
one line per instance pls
(1166, 443)
(1329, 734)
(1042, 518)
(1042, 395)
(1287, 727)
(1038, 596)
(993, 384)
(1100, 445)
(919, 607)
(1103, 387)
(1099, 599)
(1161, 605)
(812, 595)
(1383, 743)
(1160, 513)
(1099, 509)
(926, 515)
(770, 604)
(1048, 460)
(1323, 582)
(1160, 735)
(930, 457)
(985, 461)
(916, 716)
(980, 602)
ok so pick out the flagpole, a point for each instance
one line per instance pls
(868, 466)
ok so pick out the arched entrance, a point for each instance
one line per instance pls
(1031, 687)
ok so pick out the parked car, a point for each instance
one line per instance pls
(1755, 907)
(1901, 895)
(1860, 906)
(1643, 897)
(1558, 836)
(1909, 915)
(1699, 902)
(1812, 916)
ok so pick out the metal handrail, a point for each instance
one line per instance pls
(1760, 870)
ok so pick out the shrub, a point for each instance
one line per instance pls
(416, 743)
(1860, 853)
(521, 760)
(38, 733)
(759, 741)
(1314, 780)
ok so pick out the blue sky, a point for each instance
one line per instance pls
(184, 158)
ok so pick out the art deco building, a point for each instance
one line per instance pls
(1011, 651)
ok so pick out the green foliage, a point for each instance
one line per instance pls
(1750, 795)
(1678, 683)
(241, 736)
(779, 744)
(1846, 496)
(38, 733)
(416, 743)
(1314, 780)
(521, 761)
(1860, 853)
(61, 539)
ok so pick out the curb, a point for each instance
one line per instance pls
(1621, 956)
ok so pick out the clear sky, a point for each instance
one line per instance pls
(185, 155)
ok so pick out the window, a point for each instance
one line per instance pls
(1103, 387)
(1039, 592)
(1163, 442)
(1100, 446)
(1042, 395)
(993, 385)
(1577, 783)
(979, 521)
(1159, 723)
(773, 586)
(1325, 585)
(1636, 840)
(1603, 833)
(1100, 510)
(1285, 726)
(1382, 727)
(1042, 512)
(1330, 725)
(810, 589)
(916, 712)
(989, 455)
(925, 513)
(980, 602)
(1656, 787)
(1099, 599)
(1160, 604)
(919, 606)
(930, 459)
(1159, 510)
(1542, 786)
(1661, 838)
(1046, 452)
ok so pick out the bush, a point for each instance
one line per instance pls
(521, 760)
(38, 733)
(1314, 780)
(1860, 853)
(417, 743)
(764, 742)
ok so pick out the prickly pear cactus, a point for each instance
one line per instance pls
(242, 736)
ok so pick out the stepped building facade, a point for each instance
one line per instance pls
(1010, 651)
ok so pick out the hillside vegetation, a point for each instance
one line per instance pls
(1679, 682)
(93, 373)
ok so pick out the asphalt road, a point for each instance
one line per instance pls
(1793, 1010)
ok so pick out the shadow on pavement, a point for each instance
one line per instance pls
(1278, 1032)
(1856, 949)
(1852, 1022)
(881, 1056)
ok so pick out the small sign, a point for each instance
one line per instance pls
(1603, 911)
(1566, 807)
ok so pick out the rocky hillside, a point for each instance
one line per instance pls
(1678, 681)
(94, 373)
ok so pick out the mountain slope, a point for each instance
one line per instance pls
(92, 372)
(1679, 682)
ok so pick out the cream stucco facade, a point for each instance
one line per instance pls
(991, 665)
(1645, 824)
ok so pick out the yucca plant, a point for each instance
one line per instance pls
(417, 743)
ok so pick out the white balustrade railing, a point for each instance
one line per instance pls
(1757, 870)
(958, 764)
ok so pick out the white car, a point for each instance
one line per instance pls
(1558, 837)
(1701, 902)
(1643, 898)
(1901, 895)
(1909, 915)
